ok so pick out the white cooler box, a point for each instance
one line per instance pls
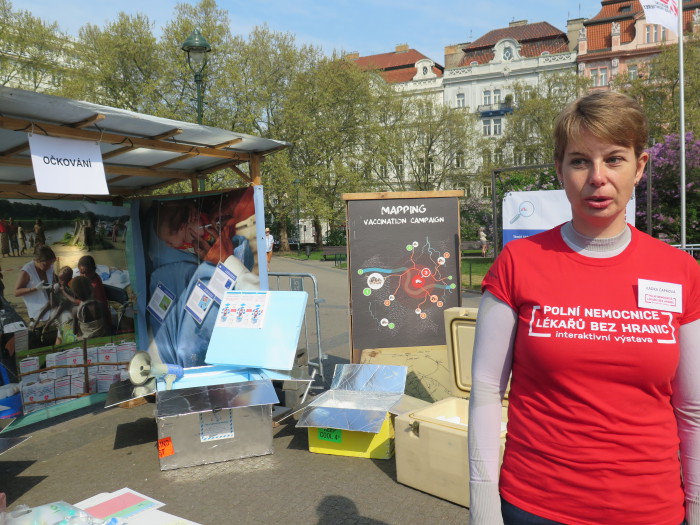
(432, 451)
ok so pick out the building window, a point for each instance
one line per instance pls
(655, 33)
(460, 100)
(486, 127)
(487, 97)
(496, 96)
(459, 159)
(517, 156)
(498, 157)
(599, 76)
(633, 72)
(497, 126)
(529, 157)
(508, 53)
(603, 76)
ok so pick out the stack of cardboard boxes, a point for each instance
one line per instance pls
(64, 375)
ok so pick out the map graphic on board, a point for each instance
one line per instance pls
(404, 270)
(420, 284)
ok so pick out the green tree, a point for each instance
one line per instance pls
(120, 65)
(528, 134)
(326, 117)
(657, 88)
(420, 144)
(35, 53)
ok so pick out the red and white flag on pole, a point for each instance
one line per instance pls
(662, 12)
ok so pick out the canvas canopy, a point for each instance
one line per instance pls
(140, 152)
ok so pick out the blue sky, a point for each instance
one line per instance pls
(367, 26)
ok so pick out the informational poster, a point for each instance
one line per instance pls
(200, 301)
(526, 213)
(198, 248)
(161, 302)
(72, 233)
(404, 270)
(243, 310)
(223, 280)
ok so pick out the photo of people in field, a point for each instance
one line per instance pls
(63, 272)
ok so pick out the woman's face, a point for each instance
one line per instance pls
(599, 179)
(44, 265)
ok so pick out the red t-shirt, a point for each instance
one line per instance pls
(592, 437)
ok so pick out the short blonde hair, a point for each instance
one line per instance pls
(609, 116)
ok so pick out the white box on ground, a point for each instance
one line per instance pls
(432, 449)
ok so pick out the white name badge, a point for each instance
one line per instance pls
(660, 296)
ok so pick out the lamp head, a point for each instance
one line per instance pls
(196, 47)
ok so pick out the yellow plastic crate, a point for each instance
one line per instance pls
(353, 443)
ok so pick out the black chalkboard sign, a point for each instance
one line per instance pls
(404, 270)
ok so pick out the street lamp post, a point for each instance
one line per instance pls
(197, 47)
(296, 185)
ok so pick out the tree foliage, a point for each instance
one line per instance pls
(666, 189)
(528, 135)
(657, 88)
(36, 54)
(121, 65)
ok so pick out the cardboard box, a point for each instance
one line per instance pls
(77, 385)
(353, 418)
(62, 387)
(55, 359)
(432, 449)
(125, 351)
(30, 378)
(105, 380)
(107, 354)
(75, 358)
(30, 392)
(45, 391)
(29, 364)
(354, 443)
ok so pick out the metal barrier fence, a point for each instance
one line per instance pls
(311, 335)
(692, 249)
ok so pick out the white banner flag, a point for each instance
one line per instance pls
(662, 12)
(67, 166)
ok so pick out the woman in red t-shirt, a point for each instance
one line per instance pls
(597, 326)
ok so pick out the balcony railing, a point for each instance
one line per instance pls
(500, 108)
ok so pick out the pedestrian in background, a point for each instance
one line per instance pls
(484, 241)
(269, 245)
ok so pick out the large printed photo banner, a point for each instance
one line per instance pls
(194, 250)
(404, 270)
(70, 232)
(526, 213)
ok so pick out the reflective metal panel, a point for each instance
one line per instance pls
(342, 418)
(8, 443)
(207, 398)
(248, 432)
(126, 391)
(370, 378)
